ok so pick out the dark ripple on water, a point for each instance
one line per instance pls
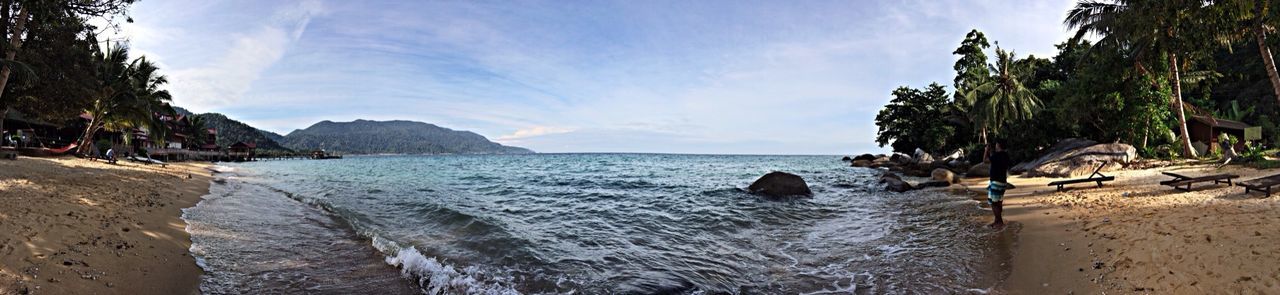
(622, 223)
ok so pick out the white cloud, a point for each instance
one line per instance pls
(210, 79)
(534, 131)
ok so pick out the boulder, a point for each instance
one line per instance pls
(1200, 147)
(900, 158)
(1057, 150)
(867, 157)
(1081, 161)
(916, 171)
(954, 156)
(861, 163)
(922, 157)
(780, 184)
(889, 175)
(846, 159)
(896, 185)
(980, 170)
(940, 174)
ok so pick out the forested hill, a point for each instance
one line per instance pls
(393, 137)
(231, 131)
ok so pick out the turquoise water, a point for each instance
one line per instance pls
(577, 223)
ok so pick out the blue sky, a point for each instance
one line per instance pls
(757, 77)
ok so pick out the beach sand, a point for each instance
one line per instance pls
(74, 226)
(1134, 236)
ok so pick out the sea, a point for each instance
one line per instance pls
(582, 224)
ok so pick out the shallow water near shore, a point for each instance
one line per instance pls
(580, 223)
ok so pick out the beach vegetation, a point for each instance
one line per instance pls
(1135, 72)
(47, 46)
(915, 118)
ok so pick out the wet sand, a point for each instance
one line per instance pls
(74, 226)
(1136, 236)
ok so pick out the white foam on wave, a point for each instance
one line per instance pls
(436, 277)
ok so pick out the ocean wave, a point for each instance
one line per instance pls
(436, 277)
(433, 276)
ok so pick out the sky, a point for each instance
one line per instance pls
(711, 77)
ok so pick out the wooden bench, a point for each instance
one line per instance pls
(1263, 184)
(1097, 177)
(1179, 180)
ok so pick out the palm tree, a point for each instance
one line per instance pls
(1002, 98)
(195, 130)
(1251, 18)
(1144, 27)
(128, 95)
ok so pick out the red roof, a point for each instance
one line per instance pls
(241, 144)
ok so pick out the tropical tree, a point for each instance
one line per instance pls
(914, 119)
(195, 130)
(971, 70)
(1151, 29)
(16, 16)
(1002, 98)
(127, 95)
(1251, 19)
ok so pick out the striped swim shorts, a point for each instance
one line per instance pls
(995, 191)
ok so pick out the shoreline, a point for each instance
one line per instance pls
(1134, 235)
(74, 226)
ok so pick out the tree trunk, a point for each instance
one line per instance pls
(87, 138)
(14, 42)
(1269, 61)
(1187, 150)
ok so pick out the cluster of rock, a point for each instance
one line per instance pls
(1068, 158)
(941, 172)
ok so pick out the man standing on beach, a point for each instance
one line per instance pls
(999, 180)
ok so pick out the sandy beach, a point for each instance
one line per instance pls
(73, 226)
(1134, 236)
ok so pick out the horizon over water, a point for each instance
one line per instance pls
(584, 223)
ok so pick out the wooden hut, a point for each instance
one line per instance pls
(242, 151)
(1207, 129)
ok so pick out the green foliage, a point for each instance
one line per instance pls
(1253, 153)
(231, 131)
(971, 68)
(915, 119)
(1003, 98)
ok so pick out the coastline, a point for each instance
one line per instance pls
(1134, 235)
(74, 226)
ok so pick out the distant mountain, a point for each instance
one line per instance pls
(393, 137)
(272, 135)
(231, 131)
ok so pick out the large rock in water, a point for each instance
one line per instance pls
(1081, 161)
(895, 184)
(780, 184)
